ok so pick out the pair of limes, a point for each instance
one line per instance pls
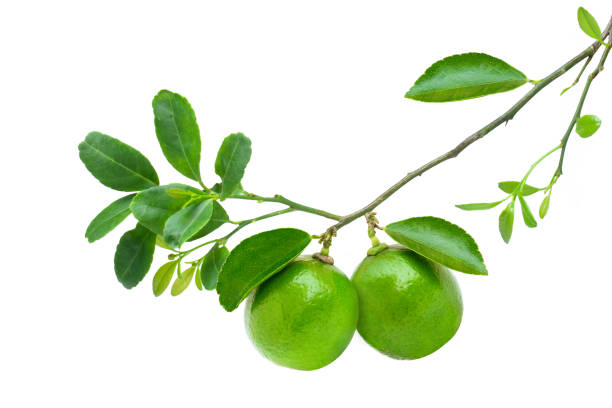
(402, 304)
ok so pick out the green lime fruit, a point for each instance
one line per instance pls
(409, 306)
(303, 317)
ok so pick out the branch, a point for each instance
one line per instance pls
(508, 115)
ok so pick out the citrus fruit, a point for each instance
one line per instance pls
(304, 316)
(409, 306)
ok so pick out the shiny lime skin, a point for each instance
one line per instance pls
(303, 317)
(409, 306)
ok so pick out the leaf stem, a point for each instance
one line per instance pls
(534, 165)
(291, 204)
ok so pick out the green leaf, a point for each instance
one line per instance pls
(134, 255)
(588, 24)
(506, 222)
(510, 187)
(198, 276)
(232, 159)
(181, 283)
(163, 276)
(465, 76)
(154, 206)
(109, 218)
(440, 241)
(218, 218)
(256, 259)
(212, 264)
(186, 222)
(528, 217)
(545, 206)
(178, 133)
(478, 206)
(587, 125)
(115, 164)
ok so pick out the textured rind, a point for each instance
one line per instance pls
(409, 306)
(304, 317)
(465, 76)
(407, 231)
(256, 259)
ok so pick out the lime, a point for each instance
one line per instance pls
(409, 306)
(305, 316)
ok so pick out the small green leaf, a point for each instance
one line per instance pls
(506, 222)
(528, 217)
(478, 206)
(212, 264)
(154, 206)
(181, 283)
(465, 76)
(163, 276)
(218, 218)
(134, 255)
(588, 24)
(178, 133)
(232, 159)
(198, 276)
(256, 259)
(510, 187)
(109, 218)
(116, 164)
(440, 241)
(587, 125)
(545, 205)
(186, 222)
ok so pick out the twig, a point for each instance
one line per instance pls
(578, 111)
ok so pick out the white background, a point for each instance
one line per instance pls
(318, 86)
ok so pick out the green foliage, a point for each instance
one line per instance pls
(182, 282)
(163, 277)
(465, 76)
(588, 24)
(134, 255)
(187, 221)
(218, 218)
(256, 259)
(478, 206)
(211, 266)
(440, 241)
(178, 133)
(109, 218)
(506, 222)
(528, 217)
(587, 125)
(545, 205)
(116, 164)
(154, 206)
(232, 159)
(510, 187)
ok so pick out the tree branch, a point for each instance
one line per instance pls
(508, 115)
